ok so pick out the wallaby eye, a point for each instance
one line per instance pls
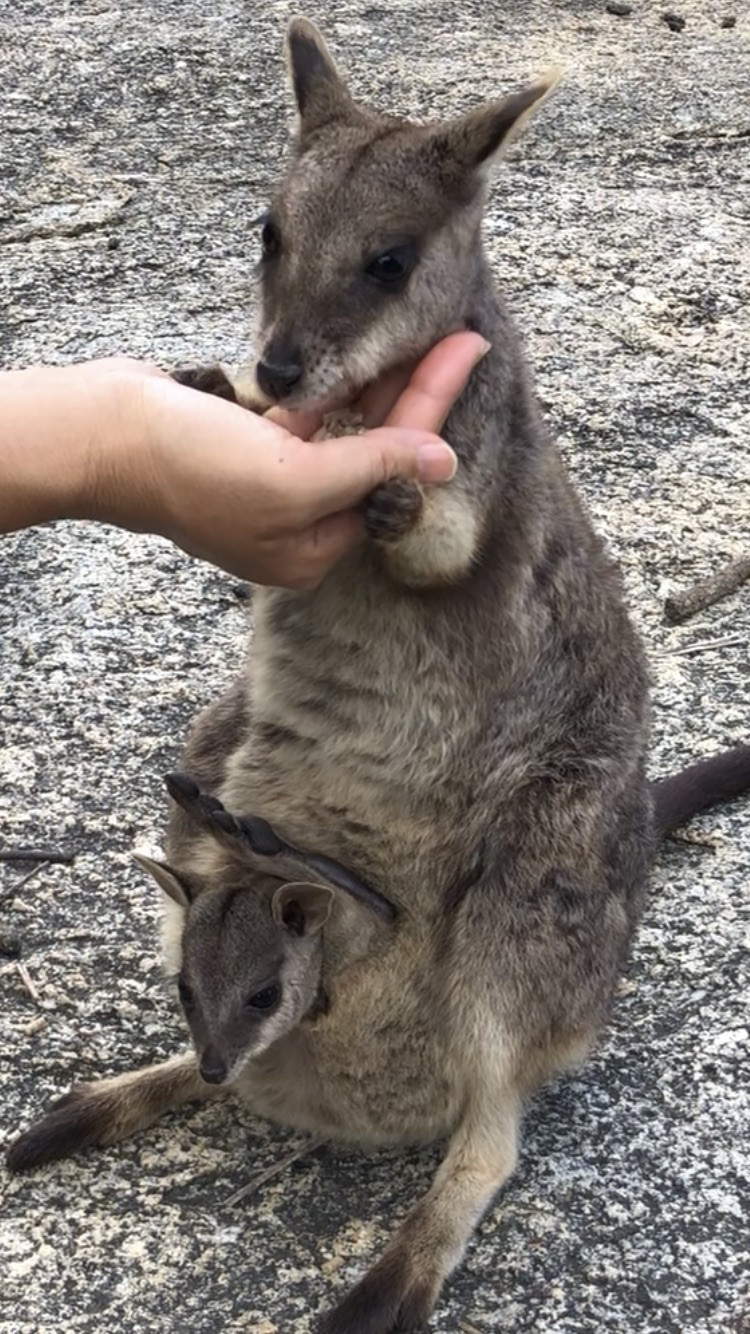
(391, 269)
(265, 999)
(187, 999)
(270, 239)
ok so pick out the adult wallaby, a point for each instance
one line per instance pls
(458, 716)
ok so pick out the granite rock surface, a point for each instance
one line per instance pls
(139, 141)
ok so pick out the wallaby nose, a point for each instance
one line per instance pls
(213, 1069)
(279, 372)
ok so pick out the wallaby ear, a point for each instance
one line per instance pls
(303, 909)
(321, 93)
(173, 885)
(477, 140)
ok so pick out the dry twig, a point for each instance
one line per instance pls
(681, 606)
(25, 977)
(274, 1170)
(10, 891)
(692, 839)
(704, 646)
(35, 855)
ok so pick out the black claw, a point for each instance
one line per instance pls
(339, 875)
(261, 836)
(182, 785)
(262, 840)
(225, 821)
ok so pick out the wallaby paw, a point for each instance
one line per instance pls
(74, 1122)
(392, 510)
(390, 1299)
(207, 379)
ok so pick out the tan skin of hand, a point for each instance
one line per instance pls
(119, 441)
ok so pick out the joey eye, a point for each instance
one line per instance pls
(270, 239)
(187, 999)
(391, 269)
(266, 999)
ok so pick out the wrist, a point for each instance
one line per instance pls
(115, 478)
(69, 442)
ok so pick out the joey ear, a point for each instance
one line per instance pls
(302, 909)
(320, 92)
(173, 885)
(477, 140)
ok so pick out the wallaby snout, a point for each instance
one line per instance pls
(279, 370)
(213, 1069)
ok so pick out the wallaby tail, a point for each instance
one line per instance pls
(707, 783)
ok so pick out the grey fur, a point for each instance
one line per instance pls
(459, 714)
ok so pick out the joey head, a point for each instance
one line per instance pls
(250, 968)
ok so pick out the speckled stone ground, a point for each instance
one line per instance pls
(138, 143)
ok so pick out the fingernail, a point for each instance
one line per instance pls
(436, 463)
(484, 349)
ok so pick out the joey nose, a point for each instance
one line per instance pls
(279, 372)
(213, 1069)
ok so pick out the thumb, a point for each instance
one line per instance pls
(348, 468)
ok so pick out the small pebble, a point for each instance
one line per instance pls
(729, 21)
(617, 7)
(243, 591)
(675, 22)
(34, 1026)
(10, 944)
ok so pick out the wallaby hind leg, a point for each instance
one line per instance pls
(400, 1291)
(108, 1110)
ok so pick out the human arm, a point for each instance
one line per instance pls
(120, 442)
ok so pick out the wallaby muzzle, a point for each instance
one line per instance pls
(213, 1069)
(279, 370)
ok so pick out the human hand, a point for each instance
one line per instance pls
(120, 441)
(253, 495)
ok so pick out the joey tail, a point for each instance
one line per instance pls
(702, 785)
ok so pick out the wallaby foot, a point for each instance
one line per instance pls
(392, 509)
(108, 1110)
(399, 1293)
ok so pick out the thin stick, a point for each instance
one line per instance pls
(704, 645)
(692, 839)
(25, 879)
(681, 606)
(469, 1329)
(274, 1170)
(35, 855)
(25, 977)
(12, 890)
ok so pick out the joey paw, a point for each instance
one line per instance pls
(392, 509)
(208, 380)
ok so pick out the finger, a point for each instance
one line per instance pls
(123, 366)
(374, 404)
(437, 382)
(324, 543)
(303, 423)
(377, 399)
(418, 397)
(345, 470)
